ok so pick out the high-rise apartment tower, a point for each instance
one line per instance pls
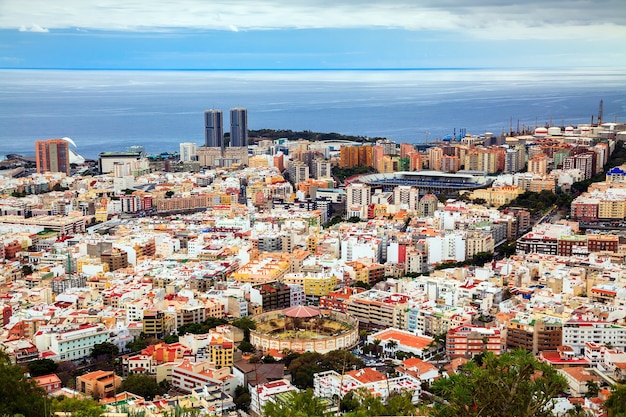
(238, 127)
(52, 155)
(213, 128)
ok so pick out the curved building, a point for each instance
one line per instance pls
(426, 181)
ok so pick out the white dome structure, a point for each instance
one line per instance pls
(74, 157)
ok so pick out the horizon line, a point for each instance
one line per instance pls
(305, 69)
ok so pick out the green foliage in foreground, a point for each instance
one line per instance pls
(18, 395)
(511, 385)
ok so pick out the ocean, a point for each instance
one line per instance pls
(111, 110)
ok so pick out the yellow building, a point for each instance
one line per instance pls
(612, 209)
(222, 351)
(101, 214)
(264, 270)
(258, 161)
(95, 263)
(497, 196)
(319, 286)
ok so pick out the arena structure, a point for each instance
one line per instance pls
(427, 181)
(304, 329)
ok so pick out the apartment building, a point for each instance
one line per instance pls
(99, 384)
(468, 341)
(576, 333)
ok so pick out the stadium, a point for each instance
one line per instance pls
(427, 181)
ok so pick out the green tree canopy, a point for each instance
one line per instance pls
(298, 404)
(511, 385)
(42, 367)
(18, 395)
(106, 348)
(305, 366)
(76, 406)
(616, 403)
(246, 324)
(142, 385)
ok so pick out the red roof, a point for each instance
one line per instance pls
(301, 311)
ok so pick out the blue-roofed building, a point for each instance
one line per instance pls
(617, 174)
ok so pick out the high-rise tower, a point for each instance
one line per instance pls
(238, 127)
(213, 128)
(52, 155)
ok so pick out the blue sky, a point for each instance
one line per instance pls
(287, 34)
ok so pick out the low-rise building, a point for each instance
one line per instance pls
(99, 384)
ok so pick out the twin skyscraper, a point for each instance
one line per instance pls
(214, 128)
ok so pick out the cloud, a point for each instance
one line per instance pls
(547, 19)
(32, 28)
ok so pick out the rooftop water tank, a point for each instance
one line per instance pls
(554, 131)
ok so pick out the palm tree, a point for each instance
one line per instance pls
(392, 345)
(592, 388)
(377, 343)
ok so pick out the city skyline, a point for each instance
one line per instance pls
(283, 35)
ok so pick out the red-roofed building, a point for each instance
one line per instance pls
(99, 384)
(578, 378)
(467, 341)
(336, 300)
(263, 393)
(418, 369)
(331, 384)
(395, 340)
(564, 356)
(188, 375)
(49, 382)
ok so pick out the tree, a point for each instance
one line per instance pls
(298, 404)
(142, 385)
(616, 403)
(392, 345)
(511, 385)
(246, 324)
(377, 343)
(242, 398)
(42, 367)
(27, 270)
(171, 338)
(76, 406)
(18, 394)
(67, 372)
(304, 367)
(246, 346)
(592, 389)
(106, 348)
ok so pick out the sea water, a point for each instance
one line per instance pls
(111, 110)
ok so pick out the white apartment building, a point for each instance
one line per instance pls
(576, 333)
(450, 247)
(264, 393)
(331, 384)
(406, 197)
(72, 343)
(188, 151)
(358, 197)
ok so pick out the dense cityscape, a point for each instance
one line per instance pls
(278, 273)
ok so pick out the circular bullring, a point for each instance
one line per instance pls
(304, 329)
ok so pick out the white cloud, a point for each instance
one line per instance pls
(32, 28)
(494, 19)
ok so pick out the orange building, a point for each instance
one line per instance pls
(52, 155)
(351, 156)
(99, 384)
(468, 341)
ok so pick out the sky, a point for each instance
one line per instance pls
(304, 34)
